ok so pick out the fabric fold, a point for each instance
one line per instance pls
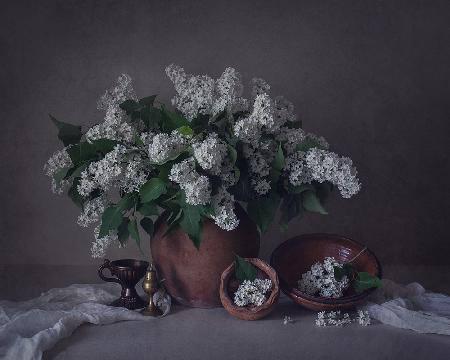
(410, 307)
(28, 328)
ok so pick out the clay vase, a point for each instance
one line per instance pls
(191, 275)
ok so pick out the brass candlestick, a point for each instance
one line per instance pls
(150, 286)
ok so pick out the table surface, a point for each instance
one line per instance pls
(188, 333)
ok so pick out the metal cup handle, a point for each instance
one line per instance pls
(107, 265)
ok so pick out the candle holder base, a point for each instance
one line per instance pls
(151, 311)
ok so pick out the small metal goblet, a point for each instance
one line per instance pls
(126, 272)
(150, 286)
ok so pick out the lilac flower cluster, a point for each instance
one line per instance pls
(336, 318)
(114, 127)
(320, 280)
(252, 292)
(196, 187)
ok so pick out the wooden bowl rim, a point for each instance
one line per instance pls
(295, 293)
(270, 301)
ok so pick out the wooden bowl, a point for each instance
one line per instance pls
(228, 284)
(295, 256)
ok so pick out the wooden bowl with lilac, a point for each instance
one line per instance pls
(229, 284)
(295, 256)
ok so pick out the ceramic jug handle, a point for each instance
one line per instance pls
(106, 265)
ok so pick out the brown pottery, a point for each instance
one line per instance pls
(227, 289)
(295, 256)
(191, 276)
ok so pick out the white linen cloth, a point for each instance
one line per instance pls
(28, 328)
(410, 307)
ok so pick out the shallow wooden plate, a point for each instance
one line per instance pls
(295, 256)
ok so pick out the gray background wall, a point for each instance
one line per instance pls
(372, 76)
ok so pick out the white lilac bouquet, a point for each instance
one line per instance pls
(215, 149)
(331, 278)
(320, 280)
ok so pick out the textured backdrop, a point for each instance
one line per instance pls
(372, 76)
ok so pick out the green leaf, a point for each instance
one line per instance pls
(207, 210)
(311, 203)
(218, 117)
(237, 173)
(148, 209)
(169, 204)
(172, 120)
(81, 152)
(347, 269)
(173, 221)
(244, 270)
(134, 232)
(199, 123)
(277, 165)
(290, 208)
(191, 223)
(147, 225)
(233, 154)
(130, 106)
(122, 231)
(68, 133)
(112, 216)
(262, 210)
(365, 281)
(76, 170)
(61, 174)
(305, 146)
(164, 171)
(138, 141)
(85, 151)
(111, 220)
(242, 191)
(323, 190)
(151, 117)
(104, 146)
(148, 101)
(185, 130)
(74, 194)
(219, 123)
(300, 188)
(175, 213)
(279, 161)
(152, 189)
(127, 202)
